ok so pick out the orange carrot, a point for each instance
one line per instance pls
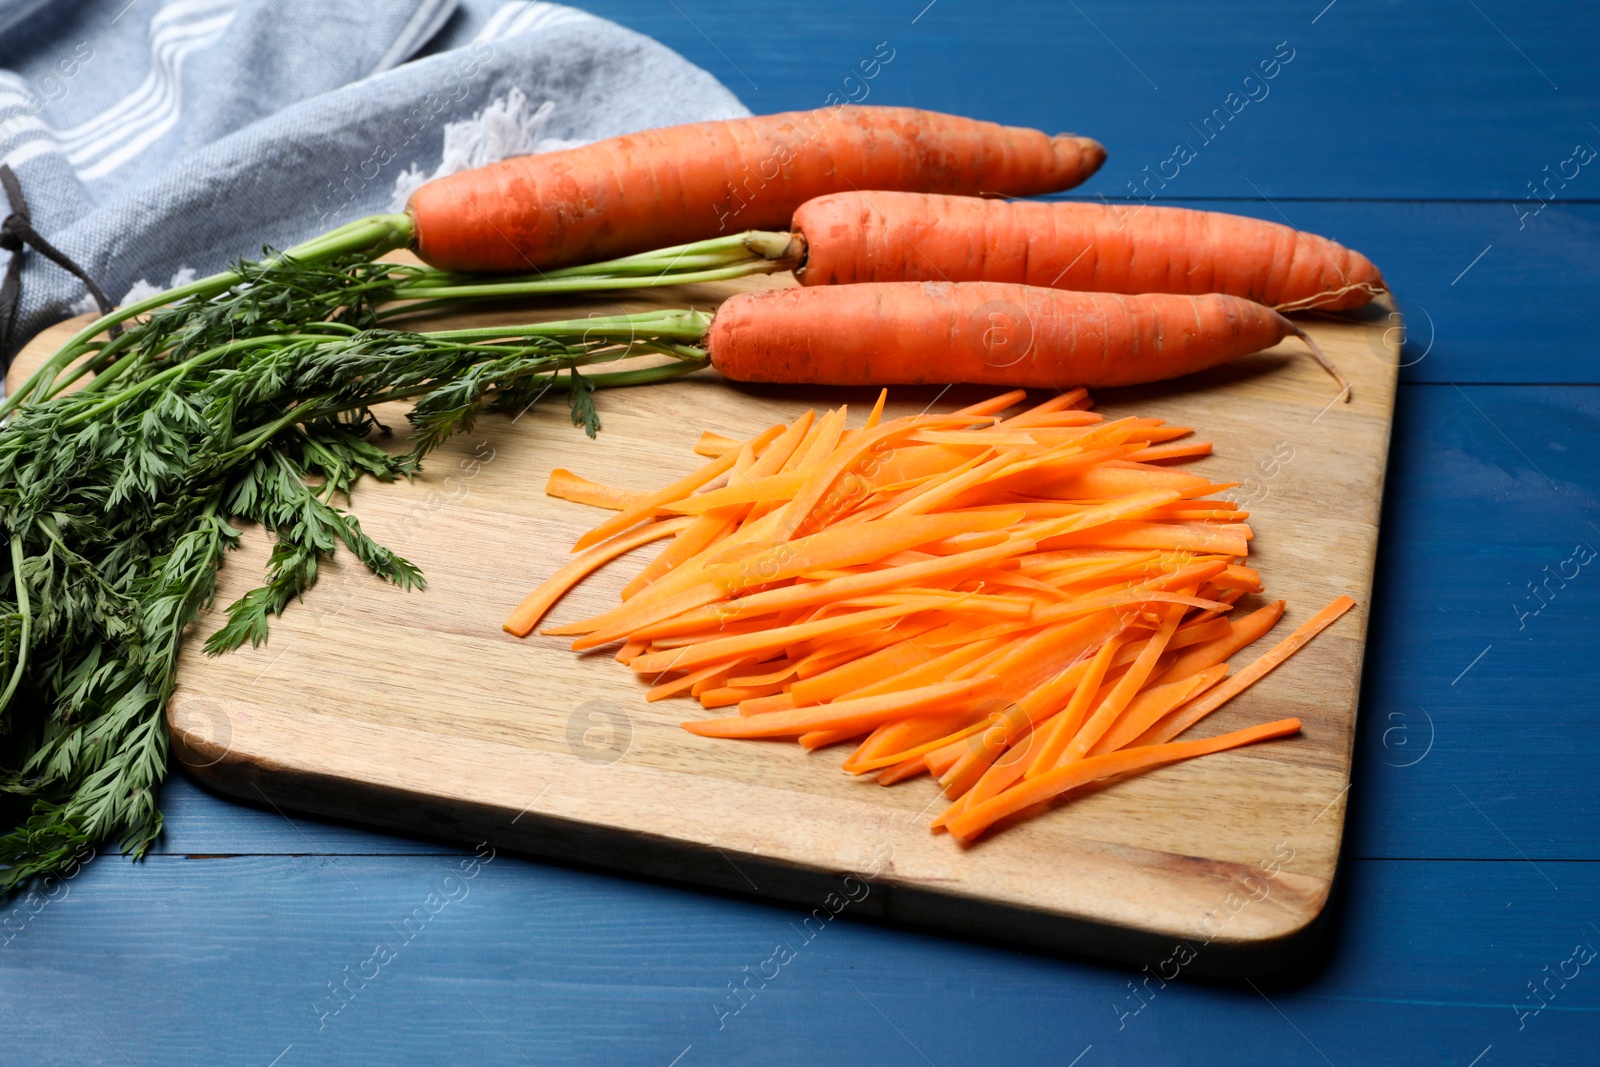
(860, 236)
(823, 738)
(946, 741)
(682, 183)
(768, 639)
(748, 491)
(686, 682)
(995, 404)
(1060, 731)
(1113, 704)
(763, 705)
(891, 333)
(1168, 536)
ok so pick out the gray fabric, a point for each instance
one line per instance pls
(173, 138)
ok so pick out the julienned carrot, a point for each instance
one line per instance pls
(1186, 717)
(843, 546)
(711, 525)
(1053, 783)
(866, 765)
(985, 333)
(957, 594)
(688, 682)
(528, 613)
(1158, 453)
(747, 491)
(1064, 726)
(910, 768)
(860, 236)
(1242, 632)
(996, 404)
(768, 639)
(714, 444)
(564, 484)
(1154, 703)
(647, 503)
(682, 183)
(864, 712)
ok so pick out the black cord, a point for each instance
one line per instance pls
(17, 232)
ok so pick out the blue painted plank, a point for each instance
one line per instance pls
(1490, 489)
(352, 960)
(1441, 100)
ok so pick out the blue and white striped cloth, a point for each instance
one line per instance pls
(156, 141)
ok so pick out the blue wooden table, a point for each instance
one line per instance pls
(1455, 143)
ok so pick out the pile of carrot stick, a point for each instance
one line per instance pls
(1016, 605)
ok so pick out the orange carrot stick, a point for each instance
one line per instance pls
(969, 824)
(715, 444)
(901, 771)
(799, 515)
(1187, 716)
(865, 712)
(995, 404)
(771, 639)
(642, 509)
(765, 489)
(845, 546)
(1243, 632)
(528, 613)
(1106, 713)
(565, 485)
(1054, 739)
(686, 682)
(1152, 704)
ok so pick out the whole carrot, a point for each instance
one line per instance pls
(860, 236)
(985, 333)
(682, 183)
(612, 198)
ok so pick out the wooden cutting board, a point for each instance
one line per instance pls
(416, 712)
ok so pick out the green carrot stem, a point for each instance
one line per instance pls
(26, 630)
(370, 236)
(674, 325)
(686, 360)
(778, 250)
(440, 295)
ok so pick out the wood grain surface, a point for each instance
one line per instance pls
(415, 711)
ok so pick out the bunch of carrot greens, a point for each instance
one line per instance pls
(1017, 606)
(118, 500)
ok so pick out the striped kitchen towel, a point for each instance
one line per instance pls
(156, 141)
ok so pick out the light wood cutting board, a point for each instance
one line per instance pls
(416, 712)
